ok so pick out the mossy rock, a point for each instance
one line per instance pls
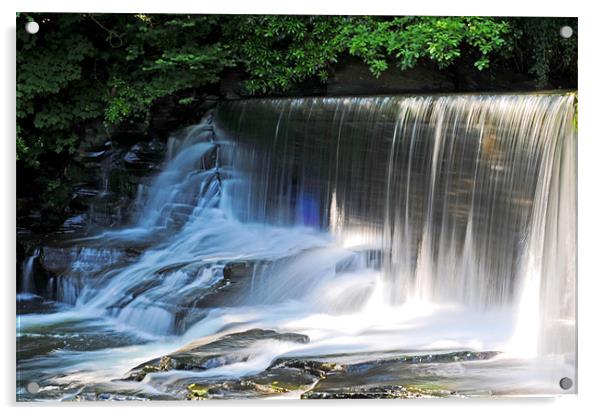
(242, 388)
(316, 368)
(377, 392)
(197, 392)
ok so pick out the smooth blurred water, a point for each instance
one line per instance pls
(370, 224)
(27, 273)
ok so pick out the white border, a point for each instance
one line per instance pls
(590, 191)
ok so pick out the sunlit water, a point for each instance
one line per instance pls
(377, 227)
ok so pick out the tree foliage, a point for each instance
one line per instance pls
(410, 39)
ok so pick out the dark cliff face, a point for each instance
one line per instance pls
(101, 179)
(104, 176)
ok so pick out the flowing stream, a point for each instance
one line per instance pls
(373, 227)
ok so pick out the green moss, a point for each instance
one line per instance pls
(197, 392)
(427, 389)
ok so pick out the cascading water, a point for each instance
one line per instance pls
(461, 193)
(27, 273)
(370, 225)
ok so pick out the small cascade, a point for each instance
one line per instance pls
(67, 290)
(191, 175)
(28, 284)
(165, 282)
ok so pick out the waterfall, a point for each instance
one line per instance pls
(456, 190)
(469, 198)
(367, 224)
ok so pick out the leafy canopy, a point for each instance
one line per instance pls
(84, 66)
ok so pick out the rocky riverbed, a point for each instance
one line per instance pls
(79, 359)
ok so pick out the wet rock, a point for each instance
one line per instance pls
(214, 354)
(315, 368)
(80, 259)
(165, 364)
(276, 380)
(109, 210)
(106, 175)
(286, 379)
(403, 377)
(68, 336)
(145, 156)
(377, 392)
(65, 266)
(178, 216)
(237, 276)
(461, 356)
(75, 223)
(233, 389)
(197, 392)
(105, 396)
(241, 269)
(30, 303)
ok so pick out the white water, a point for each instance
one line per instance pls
(372, 225)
